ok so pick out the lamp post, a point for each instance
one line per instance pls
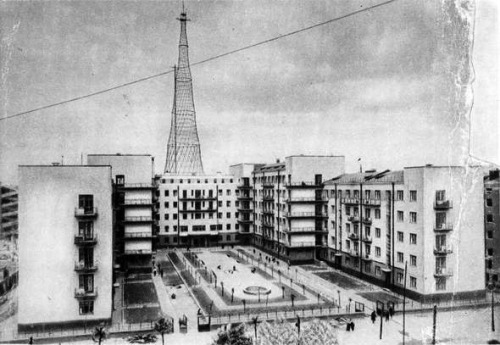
(222, 286)
(244, 305)
(338, 292)
(232, 295)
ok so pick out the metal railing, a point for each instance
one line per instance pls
(86, 239)
(137, 185)
(137, 202)
(350, 201)
(303, 244)
(442, 250)
(82, 293)
(138, 219)
(137, 234)
(85, 211)
(443, 204)
(443, 227)
(137, 251)
(443, 272)
(81, 266)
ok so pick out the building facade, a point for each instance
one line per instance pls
(197, 210)
(429, 218)
(8, 213)
(289, 209)
(492, 227)
(133, 193)
(65, 245)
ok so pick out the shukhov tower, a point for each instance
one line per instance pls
(183, 150)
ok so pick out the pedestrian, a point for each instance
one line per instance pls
(352, 325)
(373, 316)
(31, 340)
(348, 327)
(161, 272)
(386, 314)
(391, 311)
(154, 273)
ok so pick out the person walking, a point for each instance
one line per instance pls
(373, 316)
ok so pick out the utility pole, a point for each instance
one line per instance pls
(404, 304)
(434, 325)
(381, 320)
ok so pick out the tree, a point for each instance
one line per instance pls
(234, 336)
(99, 334)
(255, 321)
(163, 326)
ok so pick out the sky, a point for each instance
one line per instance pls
(386, 85)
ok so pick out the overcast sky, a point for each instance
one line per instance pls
(377, 85)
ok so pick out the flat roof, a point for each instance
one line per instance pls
(119, 154)
(66, 166)
(314, 156)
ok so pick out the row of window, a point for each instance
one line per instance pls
(200, 204)
(197, 181)
(200, 215)
(213, 227)
(197, 193)
(375, 194)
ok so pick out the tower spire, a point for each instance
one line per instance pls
(183, 149)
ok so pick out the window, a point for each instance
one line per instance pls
(377, 213)
(401, 216)
(377, 251)
(400, 236)
(228, 215)
(86, 307)
(378, 271)
(347, 244)
(228, 203)
(413, 282)
(440, 219)
(440, 195)
(490, 235)
(399, 278)
(413, 195)
(175, 215)
(489, 202)
(489, 218)
(413, 217)
(165, 193)
(166, 205)
(347, 211)
(165, 216)
(400, 257)
(165, 228)
(228, 192)
(377, 232)
(175, 204)
(86, 229)
(399, 195)
(377, 196)
(220, 203)
(174, 193)
(413, 238)
(368, 213)
(86, 202)
(213, 227)
(219, 215)
(413, 260)
(347, 227)
(440, 284)
(228, 226)
(184, 228)
(86, 282)
(367, 194)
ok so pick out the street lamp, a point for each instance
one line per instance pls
(338, 292)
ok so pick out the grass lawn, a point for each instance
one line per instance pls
(313, 268)
(140, 293)
(342, 281)
(142, 315)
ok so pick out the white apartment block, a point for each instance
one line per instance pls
(429, 217)
(133, 204)
(65, 245)
(289, 208)
(197, 210)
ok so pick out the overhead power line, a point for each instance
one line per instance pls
(198, 62)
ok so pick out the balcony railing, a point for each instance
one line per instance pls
(268, 185)
(86, 294)
(304, 184)
(86, 212)
(310, 199)
(303, 244)
(443, 272)
(304, 214)
(137, 202)
(81, 266)
(244, 221)
(138, 235)
(244, 197)
(443, 250)
(138, 219)
(371, 202)
(268, 198)
(367, 220)
(198, 198)
(350, 201)
(137, 252)
(89, 239)
(354, 236)
(353, 252)
(353, 219)
(306, 229)
(367, 257)
(367, 239)
(443, 204)
(137, 185)
(443, 227)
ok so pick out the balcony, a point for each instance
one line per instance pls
(244, 186)
(353, 252)
(86, 240)
(305, 230)
(302, 244)
(268, 185)
(305, 214)
(83, 267)
(198, 210)
(367, 239)
(367, 220)
(138, 219)
(86, 212)
(86, 294)
(198, 198)
(244, 197)
(443, 250)
(245, 221)
(443, 272)
(137, 186)
(137, 252)
(443, 227)
(354, 237)
(371, 202)
(367, 257)
(138, 235)
(307, 200)
(303, 184)
(137, 202)
(353, 219)
(443, 204)
(350, 201)
(268, 198)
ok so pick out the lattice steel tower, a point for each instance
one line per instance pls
(183, 150)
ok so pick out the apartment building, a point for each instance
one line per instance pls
(243, 172)
(133, 191)
(65, 246)
(8, 213)
(289, 208)
(197, 210)
(492, 227)
(427, 217)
